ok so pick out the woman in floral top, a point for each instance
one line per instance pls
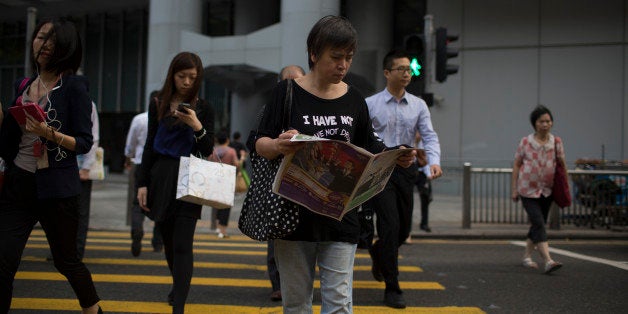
(532, 181)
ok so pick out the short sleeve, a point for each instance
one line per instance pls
(560, 149)
(270, 122)
(520, 149)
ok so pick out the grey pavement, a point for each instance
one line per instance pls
(109, 212)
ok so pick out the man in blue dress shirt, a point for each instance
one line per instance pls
(397, 115)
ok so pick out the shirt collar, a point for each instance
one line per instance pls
(536, 145)
(388, 97)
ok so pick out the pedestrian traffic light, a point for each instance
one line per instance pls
(415, 47)
(443, 53)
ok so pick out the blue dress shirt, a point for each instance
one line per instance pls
(396, 122)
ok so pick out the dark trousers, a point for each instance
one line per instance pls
(137, 215)
(537, 209)
(425, 194)
(273, 272)
(222, 215)
(177, 233)
(83, 222)
(393, 208)
(20, 210)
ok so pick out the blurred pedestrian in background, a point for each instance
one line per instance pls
(133, 150)
(532, 181)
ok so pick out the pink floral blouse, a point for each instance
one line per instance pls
(536, 174)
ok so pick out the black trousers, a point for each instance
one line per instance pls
(137, 214)
(393, 208)
(20, 210)
(177, 232)
(537, 209)
(271, 263)
(85, 200)
(425, 194)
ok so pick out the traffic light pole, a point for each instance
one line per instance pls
(428, 31)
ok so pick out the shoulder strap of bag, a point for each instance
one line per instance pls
(287, 107)
(558, 160)
(22, 85)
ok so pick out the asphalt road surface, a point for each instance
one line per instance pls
(438, 276)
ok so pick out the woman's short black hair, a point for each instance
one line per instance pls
(330, 31)
(537, 113)
(68, 51)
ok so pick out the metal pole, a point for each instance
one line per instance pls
(428, 30)
(31, 17)
(466, 196)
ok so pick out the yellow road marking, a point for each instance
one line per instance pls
(162, 307)
(223, 282)
(147, 262)
(196, 250)
(147, 241)
(150, 262)
(127, 234)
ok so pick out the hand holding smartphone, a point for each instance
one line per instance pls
(183, 106)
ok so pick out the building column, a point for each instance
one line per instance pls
(167, 18)
(374, 39)
(297, 18)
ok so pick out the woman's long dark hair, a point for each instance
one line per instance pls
(182, 61)
(68, 52)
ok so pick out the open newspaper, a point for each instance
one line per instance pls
(331, 177)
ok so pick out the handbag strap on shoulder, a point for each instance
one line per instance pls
(287, 106)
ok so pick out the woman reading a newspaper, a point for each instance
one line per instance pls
(325, 106)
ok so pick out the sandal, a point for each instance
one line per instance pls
(529, 263)
(552, 266)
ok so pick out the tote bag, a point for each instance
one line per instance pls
(205, 182)
(560, 190)
(266, 215)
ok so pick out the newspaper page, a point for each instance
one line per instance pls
(332, 177)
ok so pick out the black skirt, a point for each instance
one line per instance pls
(162, 191)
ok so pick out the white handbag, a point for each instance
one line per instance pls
(206, 182)
(97, 170)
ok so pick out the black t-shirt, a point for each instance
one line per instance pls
(344, 118)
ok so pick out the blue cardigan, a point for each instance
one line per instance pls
(73, 109)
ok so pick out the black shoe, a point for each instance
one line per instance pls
(375, 268)
(136, 244)
(426, 228)
(394, 299)
(171, 298)
(275, 296)
(99, 310)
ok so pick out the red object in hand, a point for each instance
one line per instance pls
(18, 112)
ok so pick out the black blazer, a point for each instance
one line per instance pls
(204, 146)
(71, 108)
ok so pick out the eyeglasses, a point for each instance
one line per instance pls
(402, 70)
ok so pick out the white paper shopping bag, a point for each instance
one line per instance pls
(206, 182)
(97, 170)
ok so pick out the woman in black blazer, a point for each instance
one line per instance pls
(42, 179)
(175, 130)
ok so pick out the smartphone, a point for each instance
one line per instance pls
(183, 106)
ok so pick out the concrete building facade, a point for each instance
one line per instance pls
(567, 54)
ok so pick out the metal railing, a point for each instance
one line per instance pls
(599, 198)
